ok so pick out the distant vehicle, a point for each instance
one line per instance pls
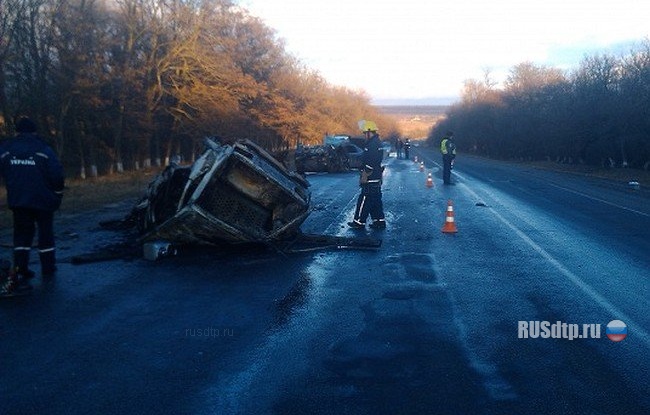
(355, 155)
(336, 140)
(328, 158)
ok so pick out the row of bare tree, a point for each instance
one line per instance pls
(598, 114)
(125, 84)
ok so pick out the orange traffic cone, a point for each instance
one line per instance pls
(450, 225)
(429, 181)
(422, 166)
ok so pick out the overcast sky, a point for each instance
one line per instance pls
(413, 49)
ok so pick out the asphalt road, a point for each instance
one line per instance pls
(428, 324)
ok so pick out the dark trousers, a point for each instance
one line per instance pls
(369, 203)
(446, 168)
(25, 223)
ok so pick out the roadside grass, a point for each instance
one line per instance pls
(620, 175)
(84, 195)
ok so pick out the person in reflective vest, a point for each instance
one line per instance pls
(448, 150)
(369, 202)
(34, 179)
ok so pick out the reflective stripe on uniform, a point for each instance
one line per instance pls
(363, 202)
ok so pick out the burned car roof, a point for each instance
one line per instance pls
(233, 193)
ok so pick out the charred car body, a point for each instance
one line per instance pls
(232, 194)
(337, 154)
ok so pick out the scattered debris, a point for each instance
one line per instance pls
(124, 251)
(311, 242)
(11, 283)
(158, 249)
(232, 196)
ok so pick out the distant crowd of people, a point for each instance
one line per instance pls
(403, 148)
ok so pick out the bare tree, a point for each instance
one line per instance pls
(527, 76)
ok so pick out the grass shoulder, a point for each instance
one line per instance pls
(619, 175)
(90, 194)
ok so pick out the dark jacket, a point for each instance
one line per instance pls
(372, 157)
(32, 172)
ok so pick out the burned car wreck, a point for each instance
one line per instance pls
(331, 157)
(232, 194)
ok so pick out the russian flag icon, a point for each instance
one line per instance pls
(616, 330)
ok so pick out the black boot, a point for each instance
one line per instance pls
(378, 224)
(355, 224)
(48, 263)
(21, 263)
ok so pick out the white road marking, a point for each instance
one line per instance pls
(586, 288)
(599, 200)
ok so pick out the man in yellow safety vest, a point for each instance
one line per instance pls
(448, 150)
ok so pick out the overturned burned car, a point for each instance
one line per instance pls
(328, 158)
(232, 194)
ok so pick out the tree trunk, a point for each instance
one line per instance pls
(82, 158)
(4, 109)
(117, 138)
(623, 153)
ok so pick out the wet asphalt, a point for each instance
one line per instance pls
(427, 324)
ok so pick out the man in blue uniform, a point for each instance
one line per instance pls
(34, 179)
(369, 202)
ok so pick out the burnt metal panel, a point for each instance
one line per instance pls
(232, 193)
